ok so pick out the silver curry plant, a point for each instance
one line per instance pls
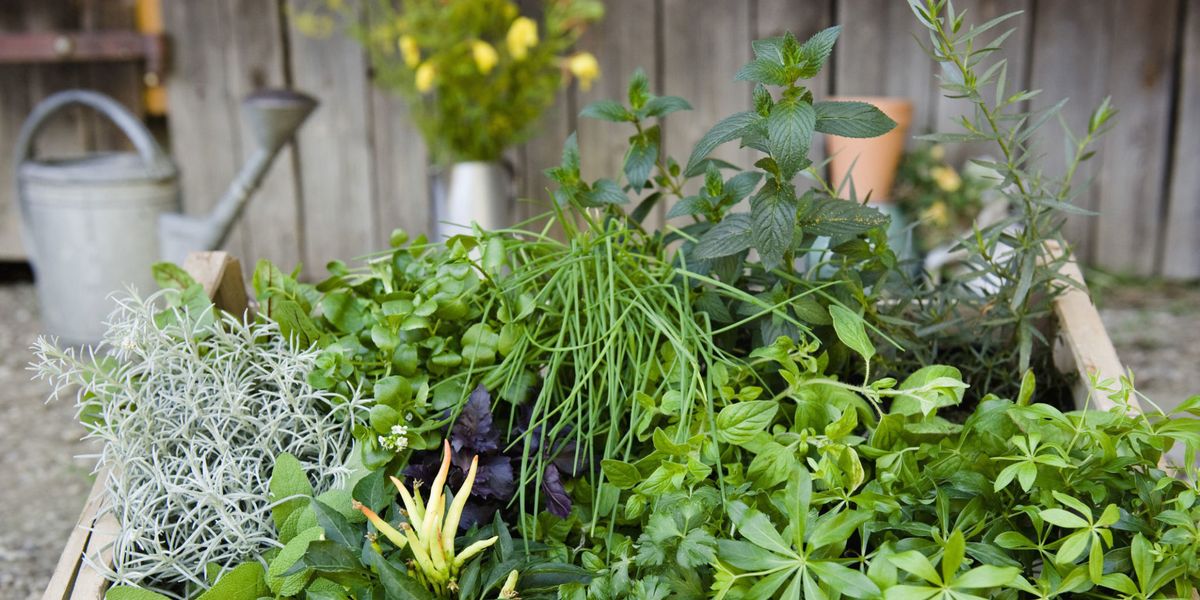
(192, 411)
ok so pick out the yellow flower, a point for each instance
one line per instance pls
(522, 35)
(946, 178)
(585, 68)
(485, 56)
(425, 76)
(937, 152)
(410, 51)
(936, 214)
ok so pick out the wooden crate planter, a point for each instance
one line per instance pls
(1082, 345)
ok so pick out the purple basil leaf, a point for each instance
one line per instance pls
(557, 500)
(473, 429)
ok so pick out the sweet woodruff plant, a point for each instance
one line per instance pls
(477, 74)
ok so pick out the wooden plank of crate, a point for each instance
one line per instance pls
(67, 570)
(89, 583)
(221, 275)
(1181, 243)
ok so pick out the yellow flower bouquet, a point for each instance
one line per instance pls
(477, 74)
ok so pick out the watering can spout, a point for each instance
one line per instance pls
(273, 116)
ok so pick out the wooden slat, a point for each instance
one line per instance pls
(704, 43)
(1180, 249)
(877, 56)
(14, 105)
(335, 147)
(622, 42)
(1015, 50)
(401, 183)
(67, 569)
(1133, 171)
(1071, 54)
(121, 80)
(270, 226)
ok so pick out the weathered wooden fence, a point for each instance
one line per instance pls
(359, 169)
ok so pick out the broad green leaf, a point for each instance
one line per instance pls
(621, 474)
(771, 465)
(1073, 546)
(244, 582)
(986, 576)
(816, 50)
(605, 191)
(851, 119)
(337, 527)
(169, 275)
(289, 487)
(729, 128)
(739, 423)
(851, 330)
(789, 132)
(732, 235)
(127, 592)
(914, 562)
(838, 528)
(762, 70)
(606, 110)
(773, 211)
(844, 579)
(661, 106)
(290, 554)
(839, 218)
(666, 478)
(328, 557)
(639, 162)
(1062, 518)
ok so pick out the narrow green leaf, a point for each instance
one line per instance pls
(606, 110)
(851, 330)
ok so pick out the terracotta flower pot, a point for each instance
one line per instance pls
(874, 160)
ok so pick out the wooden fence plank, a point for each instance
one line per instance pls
(1071, 54)
(270, 226)
(335, 147)
(622, 42)
(121, 80)
(15, 104)
(877, 56)
(401, 169)
(1131, 182)
(1181, 242)
(1015, 51)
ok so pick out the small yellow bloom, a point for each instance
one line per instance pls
(425, 76)
(936, 214)
(485, 56)
(937, 152)
(946, 178)
(585, 68)
(410, 51)
(522, 35)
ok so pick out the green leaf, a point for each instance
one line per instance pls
(337, 527)
(606, 191)
(290, 554)
(1073, 546)
(838, 528)
(851, 330)
(757, 528)
(837, 217)
(852, 119)
(288, 481)
(762, 70)
(639, 162)
(345, 311)
(729, 128)
(844, 579)
(749, 557)
(668, 477)
(329, 557)
(730, 236)
(790, 129)
(128, 592)
(606, 110)
(661, 106)
(639, 89)
(1062, 518)
(739, 423)
(244, 582)
(952, 555)
(914, 562)
(773, 211)
(396, 583)
(170, 276)
(815, 51)
(771, 465)
(986, 576)
(621, 474)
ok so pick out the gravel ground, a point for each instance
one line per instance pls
(1156, 329)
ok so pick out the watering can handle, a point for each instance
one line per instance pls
(148, 149)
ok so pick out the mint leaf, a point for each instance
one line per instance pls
(852, 119)
(639, 161)
(730, 236)
(739, 423)
(766, 71)
(729, 128)
(606, 110)
(661, 106)
(815, 51)
(605, 191)
(837, 217)
(773, 211)
(790, 128)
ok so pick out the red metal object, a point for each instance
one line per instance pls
(86, 46)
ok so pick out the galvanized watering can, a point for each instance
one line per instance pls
(96, 224)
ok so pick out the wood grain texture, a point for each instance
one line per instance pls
(1180, 249)
(877, 56)
(1071, 54)
(1134, 156)
(15, 103)
(335, 148)
(949, 111)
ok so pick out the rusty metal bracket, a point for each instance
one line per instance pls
(88, 46)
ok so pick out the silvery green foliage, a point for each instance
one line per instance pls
(192, 412)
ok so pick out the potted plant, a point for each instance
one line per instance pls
(477, 75)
